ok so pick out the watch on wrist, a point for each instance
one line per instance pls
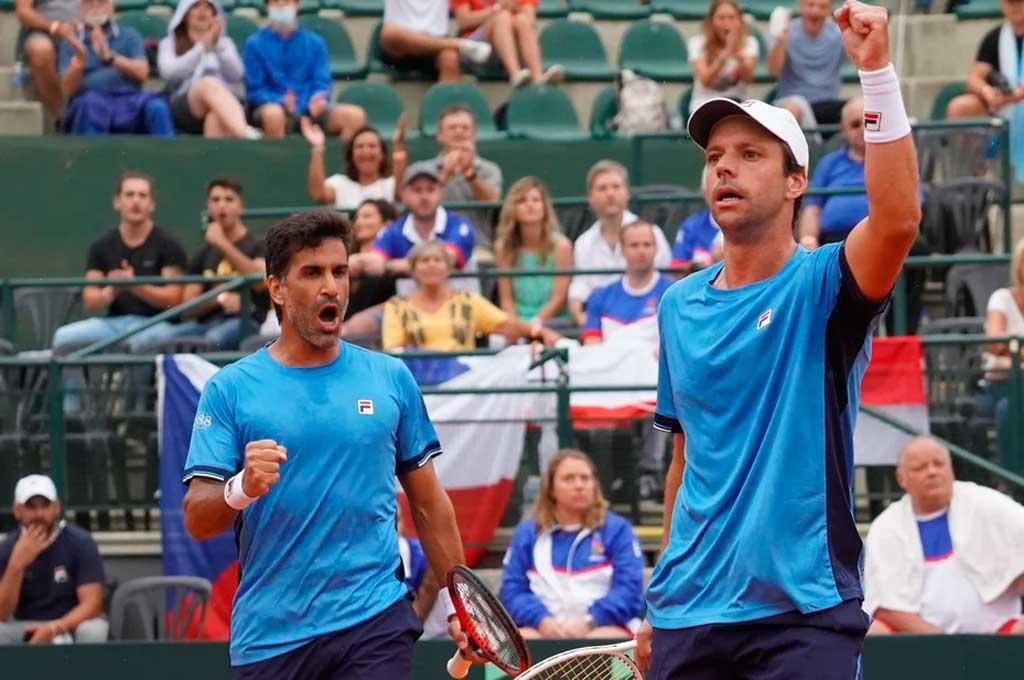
(110, 59)
(471, 176)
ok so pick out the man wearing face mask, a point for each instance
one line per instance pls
(287, 76)
(103, 73)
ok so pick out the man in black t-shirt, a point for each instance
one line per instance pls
(229, 250)
(984, 95)
(51, 575)
(134, 248)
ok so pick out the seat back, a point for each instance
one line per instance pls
(665, 213)
(611, 9)
(152, 27)
(442, 95)
(945, 95)
(382, 104)
(46, 308)
(957, 214)
(239, 28)
(159, 608)
(341, 55)
(655, 49)
(576, 46)
(542, 112)
(969, 286)
(602, 113)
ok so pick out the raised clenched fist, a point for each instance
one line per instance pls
(865, 34)
(263, 459)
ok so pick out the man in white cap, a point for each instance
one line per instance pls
(760, 366)
(51, 588)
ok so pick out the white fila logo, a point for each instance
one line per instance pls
(764, 319)
(365, 407)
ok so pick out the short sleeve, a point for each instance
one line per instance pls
(95, 258)
(215, 451)
(131, 45)
(1001, 300)
(386, 241)
(988, 50)
(6, 547)
(592, 324)
(487, 316)
(751, 49)
(491, 174)
(843, 300)
(173, 254)
(417, 439)
(90, 566)
(819, 180)
(666, 417)
(695, 48)
(682, 248)
(195, 265)
(463, 241)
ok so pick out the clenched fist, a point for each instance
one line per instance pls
(865, 34)
(263, 459)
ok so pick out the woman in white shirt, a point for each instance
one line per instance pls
(1005, 317)
(370, 172)
(723, 55)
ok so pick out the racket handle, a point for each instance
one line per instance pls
(458, 665)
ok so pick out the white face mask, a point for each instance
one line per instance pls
(96, 18)
(282, 15)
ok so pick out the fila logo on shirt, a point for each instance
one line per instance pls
(764, 319)
(872, 121)
(364, 407)
(60, 574)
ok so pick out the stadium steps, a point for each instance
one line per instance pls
(21, 118)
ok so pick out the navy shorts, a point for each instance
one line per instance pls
(823, 645)
(378, 648)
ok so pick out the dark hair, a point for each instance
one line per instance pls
(385, 162)
(387, 211)
(452, 109)
(135, 174)
(182, 43)
(790, 167)
(224, 183)
(298, 232)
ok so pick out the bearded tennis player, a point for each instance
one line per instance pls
(298, 446)
(760, 367)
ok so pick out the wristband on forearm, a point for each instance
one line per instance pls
(885, 117)
(234, 493)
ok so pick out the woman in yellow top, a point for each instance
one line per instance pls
(434, 317)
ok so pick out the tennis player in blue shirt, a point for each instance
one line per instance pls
(760, 366)
(298, 445)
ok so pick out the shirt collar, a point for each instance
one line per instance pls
(413, 236)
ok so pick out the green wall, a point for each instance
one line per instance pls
(56, 191)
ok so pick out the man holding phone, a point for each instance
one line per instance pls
(993, 81)
(51, 588)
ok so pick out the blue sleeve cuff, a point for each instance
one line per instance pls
(667, 424)
(431, 450)
(207, 471)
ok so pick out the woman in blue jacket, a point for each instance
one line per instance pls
(574, 569)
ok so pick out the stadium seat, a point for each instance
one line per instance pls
(239, 30)
(6, 5)
(606, 106)
(761, 74)
(159, 607)
(356, 8)
(655, 49)
(382, 104)
(684, 104)
(129, 5)
(945, 95)
(978, 9)
(576, 46)
(376, 64)
(760, 9)
(340, 54)
(309, 6)
(611, 9)
(442, 95)
(684, 10)
(543, 112)
(152, 27)
(257, 5)
(552, 9)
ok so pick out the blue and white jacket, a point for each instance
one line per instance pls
(572, 572)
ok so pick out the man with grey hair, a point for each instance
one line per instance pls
(948, 557)
(598, 247)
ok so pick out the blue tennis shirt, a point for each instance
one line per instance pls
(764, 380)
(319, 552)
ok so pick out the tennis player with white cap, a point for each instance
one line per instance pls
(760, 366)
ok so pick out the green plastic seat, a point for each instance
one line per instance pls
(308, 7)
(684, 104)
(605, 108)
(129, 5)
(382, 104)
(442, 95)
(552, 9)
(576, 46)
(611, 9)
(258, 5)
(239, 29)
(945, 95)
(978, 9)
(655, 49)
(543, 112)
(340, 54)
(761, 74)
(356, 8)
(150, 26)
(762, 9)
(684, 10)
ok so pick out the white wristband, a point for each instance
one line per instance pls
(885, 117)
(234, 493)
(445, 599)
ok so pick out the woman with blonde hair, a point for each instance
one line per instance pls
(574, 569)
(529, 237)
(723, 54)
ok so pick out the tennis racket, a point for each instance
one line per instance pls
(485, 622)
(606, 662)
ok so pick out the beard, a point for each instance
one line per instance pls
(307, 324)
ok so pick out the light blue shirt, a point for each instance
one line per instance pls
(812, 64)
(319, 552)
(764, 380)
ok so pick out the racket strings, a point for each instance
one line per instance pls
(488, 628)
(590, 667)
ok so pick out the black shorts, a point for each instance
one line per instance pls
(828, 111)
(184, 119)
(291, 124)
(378, 648)
(824, 645)
(424, 65)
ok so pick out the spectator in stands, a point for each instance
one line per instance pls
(135, 247)
(44, 24)
(464, 175)
(574, 569)
(435, 317)
(414, 37)
(199, 62)
(367, 290)
(1005, 317)
(698, 239)
(370, 171)
(993, 81)
(102, 73)
(510, 26)
(807, 55)
(51, 574)
(948, 557)
(828, 219)
(598, 247)
(529, 237)
(229, 250)
(287, 76)
(723, 55)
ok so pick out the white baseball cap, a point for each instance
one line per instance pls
(34, 485)
(777, 121)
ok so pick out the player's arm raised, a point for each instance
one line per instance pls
(210, 506)
(877, 247)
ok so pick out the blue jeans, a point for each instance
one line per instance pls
(127, 112)
(994, 402)
(102, 327)
(222, 332)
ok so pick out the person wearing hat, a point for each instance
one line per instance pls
(760, 366)
(51, 588)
